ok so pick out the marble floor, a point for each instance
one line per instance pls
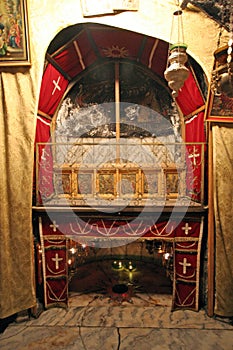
(95, 320)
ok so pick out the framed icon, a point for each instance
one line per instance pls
(14, 38)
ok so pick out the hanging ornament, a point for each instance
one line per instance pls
(222, 75)
(176, 72)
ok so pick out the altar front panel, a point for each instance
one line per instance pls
(185, 236)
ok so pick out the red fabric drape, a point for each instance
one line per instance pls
(194, 129)
(189, 98)
(196, 154)
(52, 89)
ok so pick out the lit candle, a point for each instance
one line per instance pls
(130, 277)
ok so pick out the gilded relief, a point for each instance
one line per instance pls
(150, 183)
(66, 183)
(62, 182)
(172, 183)
(106, 183)
(85, 181)
(128, 183)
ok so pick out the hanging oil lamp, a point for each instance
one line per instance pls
(222, 74)
(176, 72)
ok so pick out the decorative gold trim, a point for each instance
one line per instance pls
(54, 237)
(199, 261)
(54, 273)
(182, 279)
(58, 299)
(186, 239)
(43, 259)
(183, 304)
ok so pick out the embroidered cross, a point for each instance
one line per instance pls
(57, 259)
(54, 226)
(186, 228)
(56, 85)
(194, 155)
(185, 264)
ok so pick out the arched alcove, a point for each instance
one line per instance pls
(117, 158)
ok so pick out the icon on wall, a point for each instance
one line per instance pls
(14, 40)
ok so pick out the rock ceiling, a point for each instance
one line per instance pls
(218, 10)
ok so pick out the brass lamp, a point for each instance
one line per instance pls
(176, 72)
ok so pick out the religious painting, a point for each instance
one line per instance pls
(222, 107)
(63, 183)
(85, 183)
(128, 183)
(66, 183)
(172, 182)
(220, 99)
(150, 183)
(14, 39)
(106, 183)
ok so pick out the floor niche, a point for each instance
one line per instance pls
(121, 281)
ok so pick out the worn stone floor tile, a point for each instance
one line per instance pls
(59, 338)
(100, 338)
(175, 339)
(49, 317)
(105, 326)
(138, 299)
(41, 338)
(121, 316)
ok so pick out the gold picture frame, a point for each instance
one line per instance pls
(14, 38)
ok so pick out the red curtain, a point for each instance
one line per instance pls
(189, 98)
(52, 90)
